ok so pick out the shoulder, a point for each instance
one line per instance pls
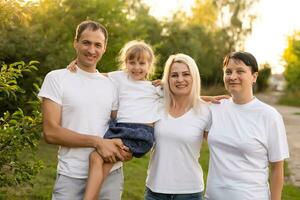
(117, 74)
(203, 108)
(223, 103)
(58, 73)
(267, 110)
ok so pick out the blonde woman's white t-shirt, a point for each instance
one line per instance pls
(174, 166)
(243, 139)
(138, 100)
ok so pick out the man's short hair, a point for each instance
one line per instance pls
(92, 25)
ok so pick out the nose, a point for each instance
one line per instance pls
(91, 49)
(136, 66)
(180, 78)
(233, 76)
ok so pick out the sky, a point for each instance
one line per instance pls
(276, 19)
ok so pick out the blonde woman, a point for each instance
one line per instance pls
(174, 171)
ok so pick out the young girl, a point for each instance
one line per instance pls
(137, 110)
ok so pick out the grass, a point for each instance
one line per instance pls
(290, 99)
(135, 174)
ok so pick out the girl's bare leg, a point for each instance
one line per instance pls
(98, 170)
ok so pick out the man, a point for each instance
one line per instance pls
(76, 109)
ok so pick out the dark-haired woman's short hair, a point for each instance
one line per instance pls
(247, 58)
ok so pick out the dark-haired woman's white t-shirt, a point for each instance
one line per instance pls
(243, 139)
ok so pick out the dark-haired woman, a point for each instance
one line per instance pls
(247, 137)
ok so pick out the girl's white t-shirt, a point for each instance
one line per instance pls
(243, 139)
(174, 166)
(138, 100)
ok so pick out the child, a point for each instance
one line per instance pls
(137, 110)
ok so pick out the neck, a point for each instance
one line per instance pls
(242, 99)
(87, 68)
(181, 102)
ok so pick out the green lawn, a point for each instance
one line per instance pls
(135, 175)
(290, 99)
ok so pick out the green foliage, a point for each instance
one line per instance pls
(49, 34)
(263, 78)
(292, 58)
(9, 75)
(18, 131)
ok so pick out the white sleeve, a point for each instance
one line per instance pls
(277, 140)
(159, 91)
(51, 88)
(116, 76)
(209, 123)
(115, 105)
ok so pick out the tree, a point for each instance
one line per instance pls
(263, 77)
(291, 56)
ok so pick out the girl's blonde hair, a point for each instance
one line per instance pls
(194, 96)
(137, 49)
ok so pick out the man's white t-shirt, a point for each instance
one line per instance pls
(174, 166)
(87, 100)
(243, 139)
(138, 100)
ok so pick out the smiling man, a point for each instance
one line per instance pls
(76, 109)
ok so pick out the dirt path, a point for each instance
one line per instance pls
(292, 125)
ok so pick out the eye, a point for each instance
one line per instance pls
(186, 74)
(85, 42)
(240, 71)
(98, 45)
(174, 75)
(227, 72)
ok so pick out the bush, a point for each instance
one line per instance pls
(18, 131)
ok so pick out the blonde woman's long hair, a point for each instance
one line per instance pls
(194, 96)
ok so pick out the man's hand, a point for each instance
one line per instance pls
(156, 82)
(109, 149)
(72, 66)
(126, 154)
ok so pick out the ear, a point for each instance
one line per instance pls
(105, 48)
(75, 44)
(255, 75)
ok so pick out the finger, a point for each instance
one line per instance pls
(125, 148)
(215, 101)
(114, 159)
(119, 156)
(119, 143)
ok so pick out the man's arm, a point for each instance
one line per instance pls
(276, 179)
(54, 133)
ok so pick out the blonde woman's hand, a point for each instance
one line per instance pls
(215, 99)
(72, 66)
